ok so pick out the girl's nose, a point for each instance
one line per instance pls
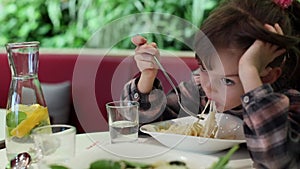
(211, 89)
(207, 88)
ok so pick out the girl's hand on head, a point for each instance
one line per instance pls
(144, 54)
(260, 53)
(253, 65)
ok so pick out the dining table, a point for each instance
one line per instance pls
(89, 142)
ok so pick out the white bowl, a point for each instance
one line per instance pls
(228, 125)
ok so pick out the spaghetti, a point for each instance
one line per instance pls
(209, 129)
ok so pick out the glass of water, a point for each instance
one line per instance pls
(55, 144)
(123, 121)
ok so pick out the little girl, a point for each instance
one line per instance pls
(251, 72)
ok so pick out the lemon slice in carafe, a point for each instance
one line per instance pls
(35, 114)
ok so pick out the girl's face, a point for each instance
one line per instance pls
(220, 80)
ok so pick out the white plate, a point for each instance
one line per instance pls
(137, 152)
(229, 124)
(2, 125)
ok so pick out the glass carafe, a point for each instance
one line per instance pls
(26, 107)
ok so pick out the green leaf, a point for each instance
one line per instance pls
(15, 118)
(54, 12)
(105, 164)
(54, 166)
(221, 164)
(131, 164)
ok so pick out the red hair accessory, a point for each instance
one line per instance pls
(283, 3)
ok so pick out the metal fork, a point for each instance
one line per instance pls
(199, 116)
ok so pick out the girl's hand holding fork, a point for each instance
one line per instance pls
(144, 57)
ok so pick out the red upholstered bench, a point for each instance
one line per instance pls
(95, 79)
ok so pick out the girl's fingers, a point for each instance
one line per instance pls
(270, 28)
(147, 49)
(153, 44)
(144, 57)
(143, 47)
(144, 53)
(276, 50)
(145, 62)
(278, 29)
(279, 52)
(138, 40)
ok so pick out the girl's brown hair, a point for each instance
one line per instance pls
(236, 24)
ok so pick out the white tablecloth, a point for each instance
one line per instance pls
(86, 142)
(2, 126)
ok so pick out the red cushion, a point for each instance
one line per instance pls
(95, 80)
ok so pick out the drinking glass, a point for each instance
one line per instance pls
(123, 121)
(55, 144)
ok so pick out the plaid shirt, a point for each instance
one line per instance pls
(271, 119)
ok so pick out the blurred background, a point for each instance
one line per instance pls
(70, 23)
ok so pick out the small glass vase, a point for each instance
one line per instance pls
(26, 107)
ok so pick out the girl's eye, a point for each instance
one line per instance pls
(227, 82)
(202, 68)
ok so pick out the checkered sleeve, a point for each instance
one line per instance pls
(152, 105)
(268, 117)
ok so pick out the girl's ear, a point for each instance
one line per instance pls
(270, 75)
